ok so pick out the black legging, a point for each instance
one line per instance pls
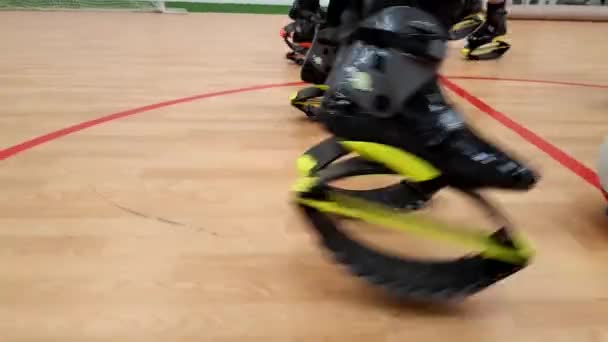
(447, 11)
(336, 8)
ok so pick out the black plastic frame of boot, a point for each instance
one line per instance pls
(500, 254)
(308, 100)
(466, 26)
(486, 50)
(489, 41)
(468, 20)
(321, 56)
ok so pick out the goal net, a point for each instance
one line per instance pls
(133, 5)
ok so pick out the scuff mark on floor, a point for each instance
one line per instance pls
(151, 217)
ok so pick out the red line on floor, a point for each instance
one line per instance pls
(554, 152)
(551, 150)
(525, 80)
(29, 144)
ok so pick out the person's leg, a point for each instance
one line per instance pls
(488, 42)
(319, 59)
(384, 103)
(496, 17)
(335, 10)
(386, 91)
(299, 6)
(305, 14)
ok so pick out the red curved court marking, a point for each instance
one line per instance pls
(554, 152)
(29, 144)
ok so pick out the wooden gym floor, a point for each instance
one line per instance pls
(172, 222)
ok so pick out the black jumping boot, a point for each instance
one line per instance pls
(488, 42)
